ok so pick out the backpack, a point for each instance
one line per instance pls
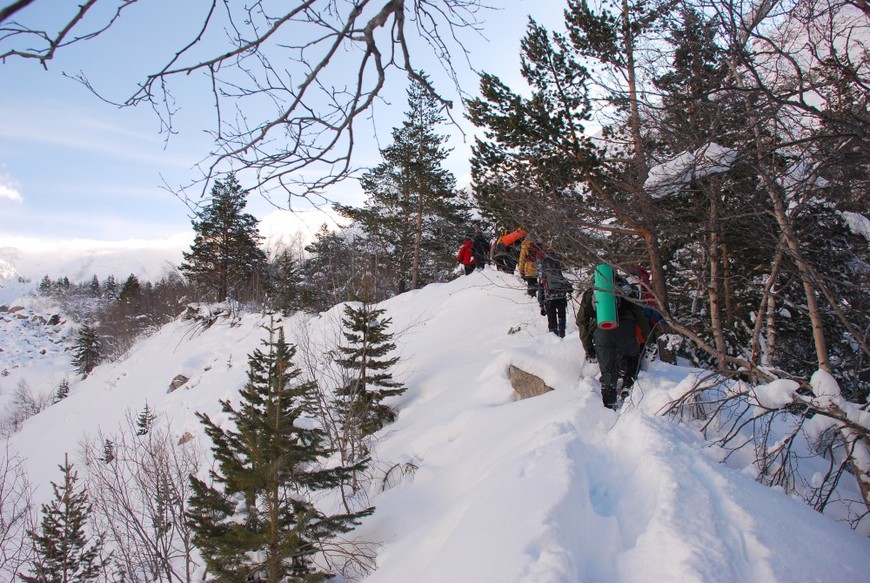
(556, 285)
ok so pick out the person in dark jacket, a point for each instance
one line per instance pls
(616, 349)
(553, 290)
(480, 249)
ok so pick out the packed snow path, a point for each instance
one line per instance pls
(487, 488)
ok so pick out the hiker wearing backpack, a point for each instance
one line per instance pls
(527, 267)
(480, 249)
(466, 258)
(553, 290)
(506, 251)
(616, 349)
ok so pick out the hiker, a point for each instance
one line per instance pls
(498, 252)
(479, 249)
(527, 267)
(553, 290)
(617, 348)
(466, 258)
(506, 250)
(639, 279)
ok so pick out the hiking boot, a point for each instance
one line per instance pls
(608, 397)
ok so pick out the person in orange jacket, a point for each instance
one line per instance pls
(466, 258)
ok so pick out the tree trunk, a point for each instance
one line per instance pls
(713, 288)
(790, 238)
(418, 235)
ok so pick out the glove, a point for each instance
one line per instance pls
(591, 357)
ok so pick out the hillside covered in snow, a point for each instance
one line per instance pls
(551, 489)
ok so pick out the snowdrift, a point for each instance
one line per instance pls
(550, 489)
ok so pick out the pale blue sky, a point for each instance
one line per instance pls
(72, 166)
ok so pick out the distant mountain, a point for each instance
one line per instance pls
(80, 259)
(7, 271)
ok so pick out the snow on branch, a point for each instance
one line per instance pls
(669, 178)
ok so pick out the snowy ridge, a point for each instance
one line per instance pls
(550, 489)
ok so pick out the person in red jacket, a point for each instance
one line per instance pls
(466, 258)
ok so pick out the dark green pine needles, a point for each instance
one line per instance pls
(256, 517)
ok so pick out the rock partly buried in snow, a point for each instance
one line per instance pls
(177, 382)
(526, 384)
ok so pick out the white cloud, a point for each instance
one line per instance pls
(79, 259)
(9, 190)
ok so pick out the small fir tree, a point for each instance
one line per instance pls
(62, 391)
(110, 288)
(368, 365)
(46, 286)
(131, 290)
(145, 420)
(63, 550)
(94, 288)
(331, 265)
(284, 283)
(108, 451)
(256, 519)
(87, 350)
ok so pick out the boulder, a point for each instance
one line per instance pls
(177, 382)
(526, 384)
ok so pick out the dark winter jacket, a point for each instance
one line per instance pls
(480, 248)
(628, 313)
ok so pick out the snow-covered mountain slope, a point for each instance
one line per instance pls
(550, 489)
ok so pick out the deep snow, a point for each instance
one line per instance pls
(550, 489)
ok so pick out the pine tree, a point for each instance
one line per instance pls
(225, 260)
(370, 380)
(144, 421)
(108, 451)
(255, 518)
(110, 288)
(131, 290)
(87, 350)
(46, 286)
(62, 391)
(94, 287)
(329, 271)
(413, 212)
(284, 283)
(64, 553)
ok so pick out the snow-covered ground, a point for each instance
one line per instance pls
(550, 489)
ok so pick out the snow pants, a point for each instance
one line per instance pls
(612, 346)
(556, 315)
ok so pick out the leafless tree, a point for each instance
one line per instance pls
(16, 515)
(289, 83)
(26, 402)
(139, 499)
